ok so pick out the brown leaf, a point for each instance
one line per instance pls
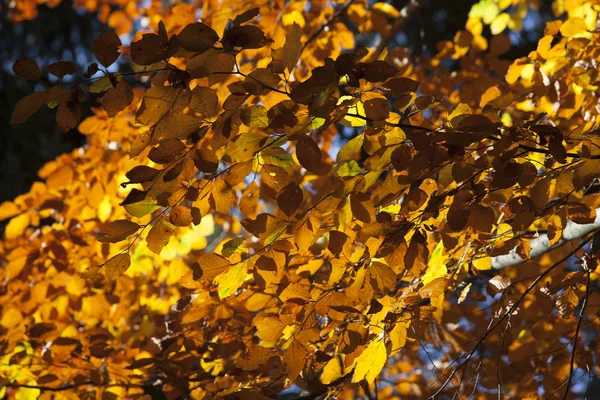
(377, 71)
(206, 161)
(266, 264)
(261, 81)
(167, 151)
(27, 106)
(142, 173)
(383, 279)
(246, 16)
(336, 243)
(106, 48)
(417, 254)
(68, 115)
(290, 198)
(359, 211)
(141, 363)
(197, 37)
(62, 68)
(158, 101)
(204, 101)
(377, 109)
(292, 47)
(398, 86)
(309, 154)
(27, 68)
(116, 231)
(150, 49)
(245, 37)
(39, 329)
(117, 98)
(401, 157)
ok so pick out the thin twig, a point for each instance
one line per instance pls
(576, 336)
(326, 24)
(509, 312)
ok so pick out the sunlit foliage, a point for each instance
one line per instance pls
(216, 237)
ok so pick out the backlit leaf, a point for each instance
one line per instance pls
(116, 231)
(232, 280)
(370, 362)
(159, 235)
(117, 266)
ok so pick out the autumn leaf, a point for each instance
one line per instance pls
(290, 198)
(231, 280)
(159, 235)
(309, 214)
(27, 106)
(117, 98)
(106, 48)
(167, 151)
(117, 266)
(370, 362)
(309, 155)
(27, 68)
(116, 231)
(197, 37)
(294, 359)
(292, 47)
(212, 265)
(62, 68)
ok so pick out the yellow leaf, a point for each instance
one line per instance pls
(499, 24)
(370, 362)
(11, 318)
(398, 336)
(159, 235)
(28, 393)
(573, 27)
(269, 329)
(293, 17)
(231, 280)
(386, 9)
(482, 263)
(212, 265)
(295, 291)
(436, 266)
(16, 226)
(356, 109)
(333, 370)
(490, 94)
(304, 237)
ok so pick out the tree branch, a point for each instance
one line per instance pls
(541, 244)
